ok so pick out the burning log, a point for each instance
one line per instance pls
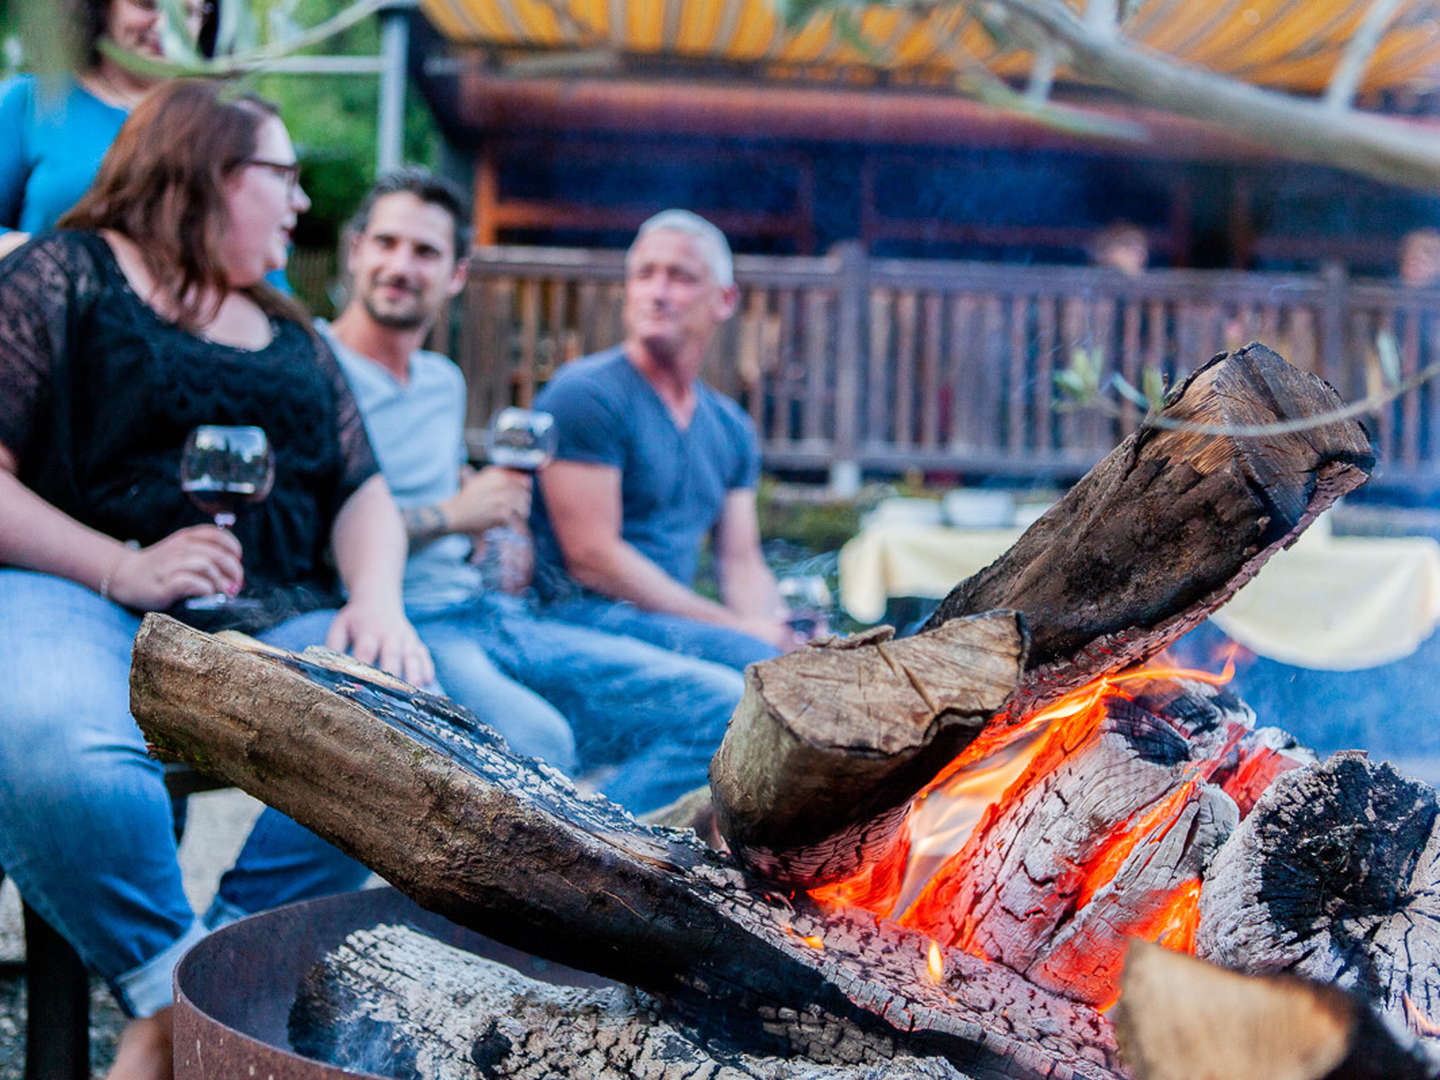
(1152, 540)
(1335, 876)
(396, 1002)
(1180, 1018)
(1105, 835)
(430, 798)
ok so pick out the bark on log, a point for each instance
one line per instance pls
(395, 1002)
(829, 744)
(1335, 876)
(1106, 835)
(1179, 1018)
(429, 797)
(1152, 540)
(1169, 525)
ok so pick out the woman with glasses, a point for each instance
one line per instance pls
(53, 132)
(142, 317)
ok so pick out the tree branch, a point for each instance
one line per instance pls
(1347, 75)
(1310, 131)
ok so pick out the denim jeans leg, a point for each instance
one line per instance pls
(282, 862)
(656, 715)
(689, 637)
(85, 821)
(459, 639)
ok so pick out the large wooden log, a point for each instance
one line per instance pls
(1335, 876)
(1169, 524)
(393, 1001)
(429, 797)
(1152, 540)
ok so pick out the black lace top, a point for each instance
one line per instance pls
(97, 394)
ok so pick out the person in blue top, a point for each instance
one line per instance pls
(651, 461)
(53, 132)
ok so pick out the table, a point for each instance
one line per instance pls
(1329, 603)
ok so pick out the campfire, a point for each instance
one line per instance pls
(938, 851)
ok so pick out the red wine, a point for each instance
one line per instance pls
(221, 498)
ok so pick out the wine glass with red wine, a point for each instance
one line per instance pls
(222, 468)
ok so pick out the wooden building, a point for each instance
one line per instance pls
(905, 296)
(577, 119)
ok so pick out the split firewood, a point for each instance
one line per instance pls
(829, 744)
(1153, 539)
(429, 797)
(1179, 1018)
(394, 1001)
(1335, 876)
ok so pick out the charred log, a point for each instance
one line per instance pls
(829, 745)
(1106, 835)
(1151, 541)
(396, 1002)
(1179, 1018)
(1169, 525)
(429, 797)
(1335, 876)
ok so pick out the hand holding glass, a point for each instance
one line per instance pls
(523, 440)
(221, 469)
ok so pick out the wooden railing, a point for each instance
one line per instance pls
(847, 362)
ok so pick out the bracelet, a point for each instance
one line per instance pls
(130, 545)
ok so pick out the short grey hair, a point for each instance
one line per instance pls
(714, 248)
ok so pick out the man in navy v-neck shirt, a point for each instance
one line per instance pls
(651, 461)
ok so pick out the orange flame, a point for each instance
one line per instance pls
(815, 941)
(1067, 724)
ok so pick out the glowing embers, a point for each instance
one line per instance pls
(1097, 827)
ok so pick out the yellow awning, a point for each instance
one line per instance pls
(1289, 44)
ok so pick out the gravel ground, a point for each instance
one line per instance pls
(218, 822)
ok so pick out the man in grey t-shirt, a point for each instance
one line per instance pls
(655, 716)
(651, 461)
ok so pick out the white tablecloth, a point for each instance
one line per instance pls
(1332, 603)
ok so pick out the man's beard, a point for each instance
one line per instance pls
(395, 320)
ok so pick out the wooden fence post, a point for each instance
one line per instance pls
(850, 292)
(1334, 314)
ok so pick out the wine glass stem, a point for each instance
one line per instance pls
(224, 520)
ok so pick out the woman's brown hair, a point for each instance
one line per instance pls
(161, 185)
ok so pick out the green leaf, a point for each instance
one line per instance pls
(1152, 383)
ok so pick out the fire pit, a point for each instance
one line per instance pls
(1152, 808)
(234, 991)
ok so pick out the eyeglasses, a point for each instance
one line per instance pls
(289, 171)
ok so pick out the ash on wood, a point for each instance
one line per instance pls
(430, 798)
(393, 1001)
(1179, 1018)
(1154, 538)
(1334, 876)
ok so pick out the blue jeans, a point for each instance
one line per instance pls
(656, 716)
(86, 828)
(675, 633)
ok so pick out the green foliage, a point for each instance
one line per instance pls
(813, 524)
